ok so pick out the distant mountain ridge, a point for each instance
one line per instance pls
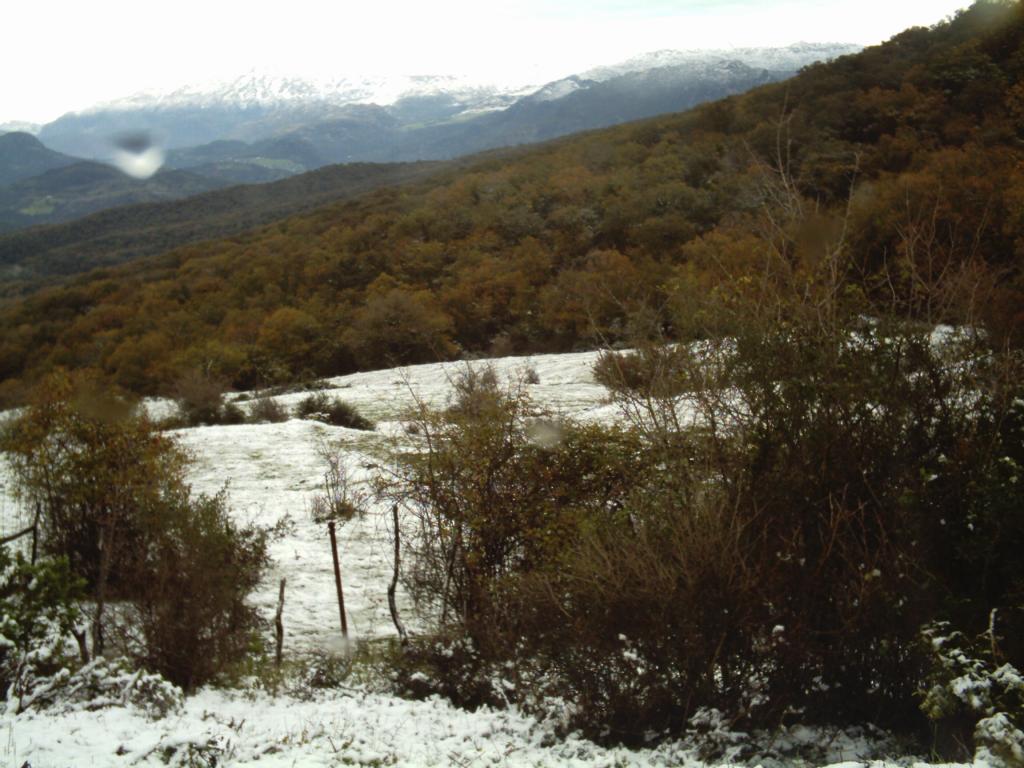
(263, 128)
(19, 126)
(256, 107)
(256, 89)
(81, 187)
(788, 58)
(23, 156)
(253, 107)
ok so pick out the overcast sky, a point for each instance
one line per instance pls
(62, 55)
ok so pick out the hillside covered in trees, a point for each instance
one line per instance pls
(912, 148)
(116, 235)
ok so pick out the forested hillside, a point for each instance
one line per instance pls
(912, 148)
(117, 235)
(22, 155)
(71, 191)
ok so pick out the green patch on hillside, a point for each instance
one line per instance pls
(42, 206)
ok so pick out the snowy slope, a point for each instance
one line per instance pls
(273, 470)
(348, 728)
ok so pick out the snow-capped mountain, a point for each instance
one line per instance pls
(255, 107)
(18, 126)
(786, 59)
(257, 90)
(254, 90)
(259, 127)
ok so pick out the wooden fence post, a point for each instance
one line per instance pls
(279, 624)
(392, 604)
(337, 580)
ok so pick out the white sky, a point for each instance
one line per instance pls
(62, 55)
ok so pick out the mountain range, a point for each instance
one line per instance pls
(261, 128)
(68, 188)
(275, 126)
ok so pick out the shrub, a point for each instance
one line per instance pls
(265, 409)
(200, 401)
(102, 683)
(452, 667)
(113, 500)
(971, 693)
(192, 610)
(651, 371)
(493, 505)
(867, 469)
(331, 410)
(99, 482)
(38, 606)
(339, 500)
(475, 390)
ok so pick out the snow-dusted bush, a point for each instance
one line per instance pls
(872, 470)
(100, 684)
(38, 608)
(652, 370)
(265, 409)
(451, 666)
(972, 693)
(320, 406)
(339, 500)
(492, 504)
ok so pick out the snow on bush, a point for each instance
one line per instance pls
(100, 684)
(967, 682)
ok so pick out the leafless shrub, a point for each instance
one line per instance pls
(339, 500)
(265, 409)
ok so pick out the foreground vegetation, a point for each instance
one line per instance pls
(166, 573)
(813, 518)
(774, 535)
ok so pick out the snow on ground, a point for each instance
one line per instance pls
(273, 470)
(350, 728)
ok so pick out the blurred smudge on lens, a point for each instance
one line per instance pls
(545, 433)
(136, 154)
(137, 142)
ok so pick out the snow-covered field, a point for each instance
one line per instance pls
(271, 471)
